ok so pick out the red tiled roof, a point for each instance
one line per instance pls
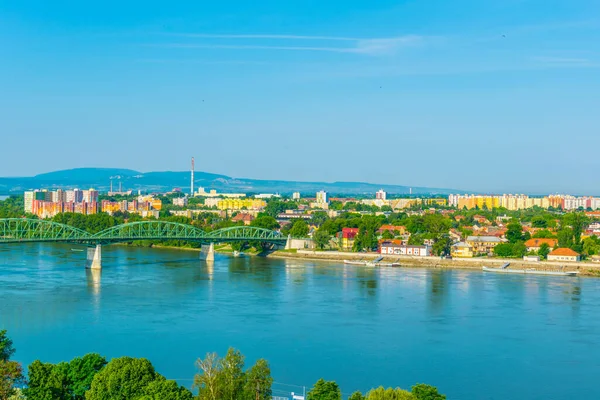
(349, 233)
(537, 242)
(243, 217)
(399, 228)
(563, 251)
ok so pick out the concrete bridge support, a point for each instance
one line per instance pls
(94, 257)
(207, 252)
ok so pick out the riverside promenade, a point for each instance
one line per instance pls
(585, 268)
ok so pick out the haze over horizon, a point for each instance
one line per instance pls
(496, 97)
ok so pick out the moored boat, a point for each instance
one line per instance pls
(375, 263)
(531, 271)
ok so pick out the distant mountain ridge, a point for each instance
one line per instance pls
(99, 178)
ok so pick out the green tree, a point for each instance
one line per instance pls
(259, 382)
(11, 372)
(504, 250)
(519, 250)
(219, 379)
(426, 392)
(232, 377)
(207, 379)
(381, 393)
(591, 246)
(565, 238)
(539, 222)
(162, 389)
(126, 378)
(318, 218)
(357, 396)
(324, 390)
(6, 346)
(11, 375)
(299, 229)
(275, 207)
(442, 246)
(387, 235)
(543, 251)
(321, 238)
(577, 221)
(416, 240)
(266, 222)
(544, 234)
(514, 232)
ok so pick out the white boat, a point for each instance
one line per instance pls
(349, 262)
(238, 253)
(505, 270)
(375, 263)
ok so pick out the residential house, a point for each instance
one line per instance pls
(481, 220)
(535, 243)
(483, 244)
(455, 235)
(243, 217)
(564, 254)
(348, 236)
(393, 247)
(461, 250)
(393, 229)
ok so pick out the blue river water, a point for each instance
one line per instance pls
(473, 335)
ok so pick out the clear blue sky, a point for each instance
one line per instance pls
(471, 94)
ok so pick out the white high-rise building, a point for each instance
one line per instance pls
(74, 196)
(381, 195)
(90, 196)
(296, 196)
(322, 197)
(28, 199)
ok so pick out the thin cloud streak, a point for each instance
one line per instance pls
(257, 47)
(261, 36)
(377, 46)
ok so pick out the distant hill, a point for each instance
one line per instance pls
(99, 178)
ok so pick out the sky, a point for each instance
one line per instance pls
(496, 96)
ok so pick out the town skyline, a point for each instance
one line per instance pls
(5, 182)
(451, 94)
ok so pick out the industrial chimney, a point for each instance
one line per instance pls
(192, 183)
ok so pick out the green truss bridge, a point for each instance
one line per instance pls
(21, 230)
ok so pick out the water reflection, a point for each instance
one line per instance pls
(438, 292)
(368, 280)
(94, 277)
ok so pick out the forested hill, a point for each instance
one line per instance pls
(99, 178)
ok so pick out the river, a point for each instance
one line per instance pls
(473, 335)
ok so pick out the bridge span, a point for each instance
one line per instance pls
(23, 230)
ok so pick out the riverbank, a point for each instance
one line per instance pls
(584, 268)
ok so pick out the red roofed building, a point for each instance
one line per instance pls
(564, 254)
(535, 243)
(348, 235)
(246, 218)
(392, 229)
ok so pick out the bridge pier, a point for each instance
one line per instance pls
(288, 243)
(94, 257)
(207, 252)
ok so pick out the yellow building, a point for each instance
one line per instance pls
(462, 250)
(483, 244)
(436, 202)
(239, 204)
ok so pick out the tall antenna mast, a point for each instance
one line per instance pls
(192, 178)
